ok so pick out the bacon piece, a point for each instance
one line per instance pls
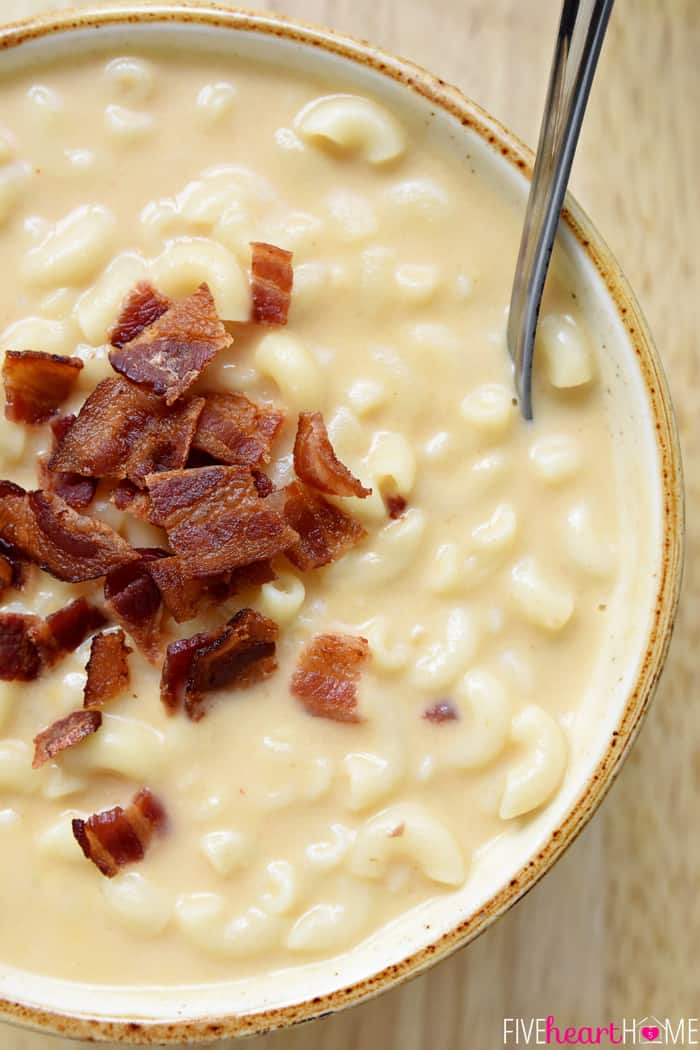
(325, 531)
(123, 432)
(63, 631)
(395, 506)
(6, 573)
(70, 546)
(232, 429)
(180, 592)
(125, 496)
(135, 601)
(166, 442)
(263, 484)
(216, 520)
(118, 837)
(169, 355)
(327, 676)
(316, 463)
(441, 711)
(141, 308)
(184, 594)
(107, 669)
(235, 656)
(65, 733)
(271, 282)
(12, 567)
(77, 491)
(20, 659)
(36, 383)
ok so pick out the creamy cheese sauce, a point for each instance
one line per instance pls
(293, 838)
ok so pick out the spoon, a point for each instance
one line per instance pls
(581, 31)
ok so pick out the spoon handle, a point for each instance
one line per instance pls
(581, 31)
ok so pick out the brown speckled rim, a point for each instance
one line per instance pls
(470, 115)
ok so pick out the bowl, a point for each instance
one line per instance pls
(406, 948)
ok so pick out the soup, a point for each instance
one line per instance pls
(483, 588)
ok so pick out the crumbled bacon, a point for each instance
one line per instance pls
(65, 733)
(37, 383)
(441, 711)
(216, 520)
(235, 656)
(234, 430)
(169, 355)
(63, 631)
(183, 594)
(135, 601)
(107, 668)
(51, 534)
(76, 490)
(395, 506)
(20, 659)
(263, 484)
(6, 573)
(125, 496)
(325, 531)
(141, 308)
(124, 432)
(13, 566)
(316, 463)
(118, 837)
(327, 676)
(271, 280)
(180, 592)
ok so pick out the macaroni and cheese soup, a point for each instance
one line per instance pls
(341, 611)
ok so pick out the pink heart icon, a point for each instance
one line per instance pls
(650, 1033)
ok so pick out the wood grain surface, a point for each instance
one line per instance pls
(614, 930)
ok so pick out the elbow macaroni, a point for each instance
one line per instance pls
(410, 831)
(533, 781)
(352, 122)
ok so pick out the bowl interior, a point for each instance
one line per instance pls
(615, 701)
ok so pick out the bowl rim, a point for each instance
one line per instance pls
(471, 115)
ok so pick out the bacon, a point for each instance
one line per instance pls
(37, 383)
(20, 659)
(118, 837)
(325, 531)
(6, 573)
(70, 546)
(263, 484)
(125, 496)
(316, 463)
(123, 432)
(180, 592)
(234, 430)
(65, 733)
(235, 656)
(63, 631)
(141, 308)
(183, 594)
(107, 668)
(169, 355)
(271, 283)
(135, 601)
(395, 506)
(216, 520)
(327, 676)
(441, 711)
(77, 491)
(12, 567)
(166, 443)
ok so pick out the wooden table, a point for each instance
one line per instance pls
(614, 930)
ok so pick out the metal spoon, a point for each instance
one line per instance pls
(581, 31)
